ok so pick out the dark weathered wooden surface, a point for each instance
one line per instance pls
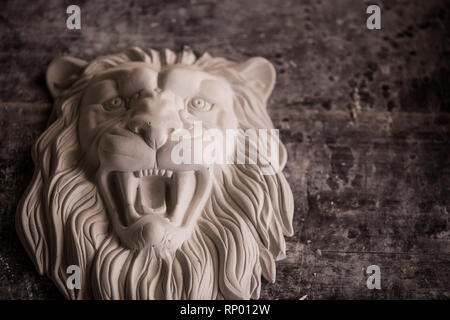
(364, 115)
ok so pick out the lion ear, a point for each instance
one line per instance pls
(62, 73)
(260, 73)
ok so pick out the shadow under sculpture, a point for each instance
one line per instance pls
(108, 197)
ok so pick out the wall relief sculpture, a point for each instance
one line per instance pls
(157, 178)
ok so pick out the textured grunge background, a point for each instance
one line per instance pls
(364, 115)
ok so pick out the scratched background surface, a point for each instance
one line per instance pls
(364, 115)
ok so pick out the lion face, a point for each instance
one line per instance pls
(127, 117)
(110, 195)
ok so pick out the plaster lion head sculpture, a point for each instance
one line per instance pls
(108, 196)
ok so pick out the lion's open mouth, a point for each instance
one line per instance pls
(164, 195)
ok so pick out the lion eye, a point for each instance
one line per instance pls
(115, 103)
(199, 104)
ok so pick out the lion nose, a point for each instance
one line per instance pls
(143, 127)
(154, 120)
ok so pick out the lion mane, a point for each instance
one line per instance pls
(62, 221)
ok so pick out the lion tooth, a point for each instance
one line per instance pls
(140, 174)
(185, 185)
(147, 172)
(155, 172)
(162, 172)
(169, 173)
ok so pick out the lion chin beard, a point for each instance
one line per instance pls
(155, 209)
